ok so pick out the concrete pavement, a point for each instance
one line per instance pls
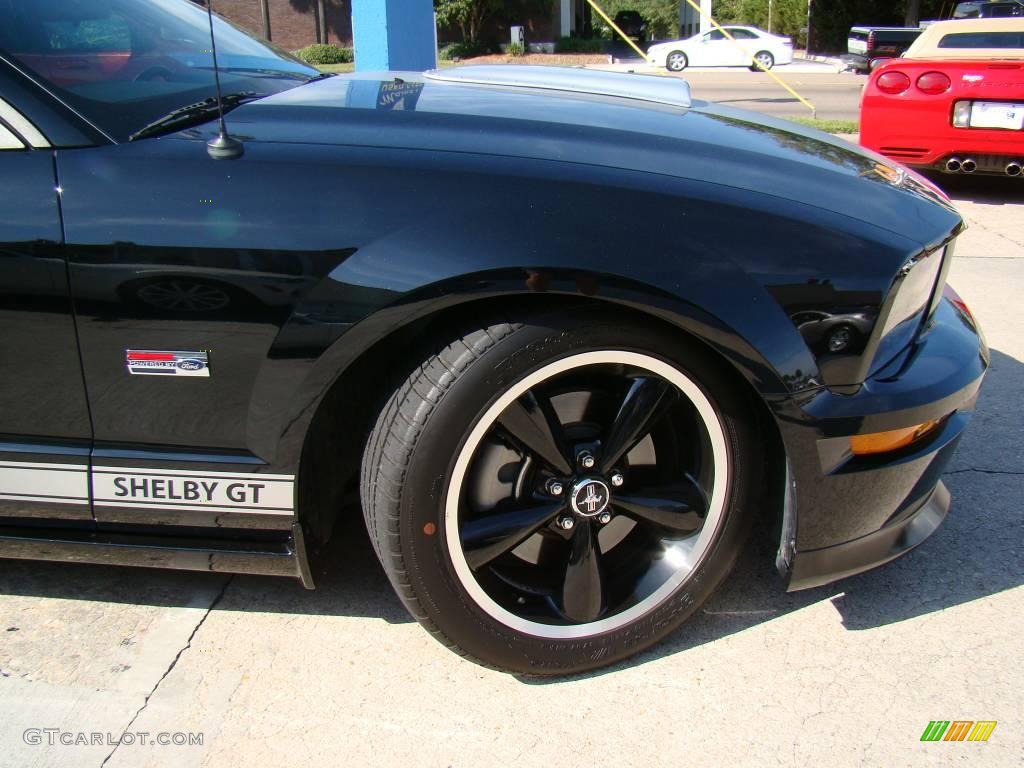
(844, 675)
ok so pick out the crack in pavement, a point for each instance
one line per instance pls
(174, 662)
(972, 223)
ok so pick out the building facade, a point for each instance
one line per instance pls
(293, 24)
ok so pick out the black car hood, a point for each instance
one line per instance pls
(704, 142)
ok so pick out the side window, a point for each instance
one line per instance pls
(742, 34)
(16, 130)
(712, 36)
(8, 140)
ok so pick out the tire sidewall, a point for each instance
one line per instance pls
(424, 495)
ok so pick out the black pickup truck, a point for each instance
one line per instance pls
(866, 44)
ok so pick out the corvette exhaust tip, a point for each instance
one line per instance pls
(1013, 168)
(968, 165)
(953, 164)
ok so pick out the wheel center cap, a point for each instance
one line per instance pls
(589, 497)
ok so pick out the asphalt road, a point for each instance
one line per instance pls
(848, 674)
(834, 96)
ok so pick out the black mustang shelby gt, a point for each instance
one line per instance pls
(561, 335)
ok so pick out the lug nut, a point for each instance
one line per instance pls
(617, 479)
(555, 488)
(605, 518)
(566, 523)
(586, 460)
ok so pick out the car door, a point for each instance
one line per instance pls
(45, 429)
(711, 51)
(741, 52)
(182, 286)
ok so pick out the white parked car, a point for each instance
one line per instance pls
(713, 49)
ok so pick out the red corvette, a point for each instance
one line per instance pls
(954, 102)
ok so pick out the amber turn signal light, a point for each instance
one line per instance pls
(893, 440)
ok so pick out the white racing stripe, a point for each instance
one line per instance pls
(213, 492)
(147, 488)
(44, 483)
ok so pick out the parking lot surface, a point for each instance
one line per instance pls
(843, 675)
(835, 96)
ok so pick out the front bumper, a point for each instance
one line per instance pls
(657, 58)
(818, 567)
(857, 62)
(845, 513)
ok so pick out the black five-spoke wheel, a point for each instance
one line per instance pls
(586, 493)
(566, 491)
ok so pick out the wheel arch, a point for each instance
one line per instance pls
(330, 437)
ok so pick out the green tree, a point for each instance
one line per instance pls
(789, 17)
(470, 17)
(662, 16)
(830, 19)
(466, 15)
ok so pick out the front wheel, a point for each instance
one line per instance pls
(553, 496)
(762, 61)
(676, 61)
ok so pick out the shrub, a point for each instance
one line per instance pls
(454, 51)
(450, 52)
(578, 45)
(319, 53)
(516, 49)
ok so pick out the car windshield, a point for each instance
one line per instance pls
(123, 64)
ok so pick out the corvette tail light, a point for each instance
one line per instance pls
(892, 82)
(933, 83)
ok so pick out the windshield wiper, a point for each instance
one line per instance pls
(273, 74)
(192, 114)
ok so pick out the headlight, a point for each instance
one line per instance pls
(910, 301)
(915, 284)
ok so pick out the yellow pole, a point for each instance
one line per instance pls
(775, 77)
(615, 26)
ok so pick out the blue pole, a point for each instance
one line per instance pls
(394, 35)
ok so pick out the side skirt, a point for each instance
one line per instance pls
(287, 558)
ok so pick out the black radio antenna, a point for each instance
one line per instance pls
(224, 147)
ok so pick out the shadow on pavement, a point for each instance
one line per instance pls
(991, 190)
(781, 100)
(354, 584)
